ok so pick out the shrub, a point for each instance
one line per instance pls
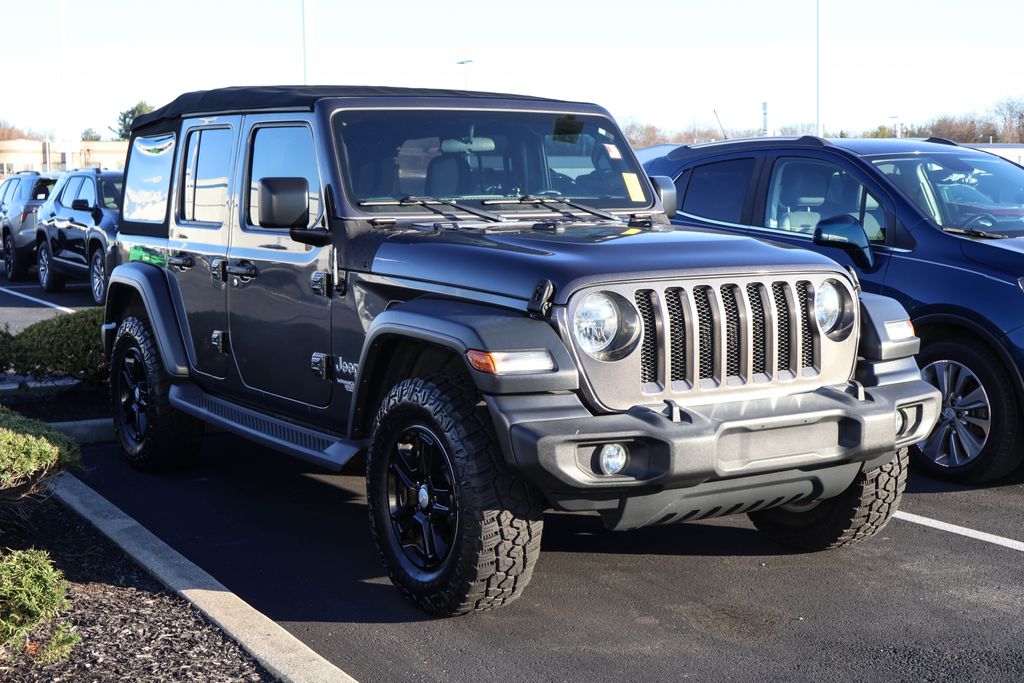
(67, 345)
(30, 451)
(33, 592)
(6, 349)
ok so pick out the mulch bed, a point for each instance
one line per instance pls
(131, 627)
(80, 402)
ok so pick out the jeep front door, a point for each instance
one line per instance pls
(198, 242)
(279, 324)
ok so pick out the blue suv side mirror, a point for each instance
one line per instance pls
(847, 233)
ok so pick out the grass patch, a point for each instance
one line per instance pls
(30, 451)
(33, 592)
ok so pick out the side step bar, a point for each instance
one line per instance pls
(307, 444)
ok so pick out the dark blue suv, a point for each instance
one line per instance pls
(928, 222)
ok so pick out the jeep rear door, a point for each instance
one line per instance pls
(278, 323)
(197, 242)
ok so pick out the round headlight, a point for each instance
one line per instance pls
(596, 323)
(828, 305)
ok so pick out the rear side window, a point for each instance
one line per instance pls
(717, 191)
(110, 190)
(205, 188)
(12, 190)
(41, 188)
(283, 152)
(148, 180)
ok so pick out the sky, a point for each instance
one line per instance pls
(670, 63)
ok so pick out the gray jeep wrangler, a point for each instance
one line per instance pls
(483, 294)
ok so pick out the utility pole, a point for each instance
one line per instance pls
(817, 66)
(464, 63)
(305, 80)
(764, 118)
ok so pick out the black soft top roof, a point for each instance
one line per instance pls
(246, 98)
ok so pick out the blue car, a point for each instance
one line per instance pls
(928, 222)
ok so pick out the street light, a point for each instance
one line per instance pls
(465, 72)
(817, 66)
(896, 127)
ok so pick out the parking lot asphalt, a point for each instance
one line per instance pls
(705, 601)
(21, 303)
(711, 600)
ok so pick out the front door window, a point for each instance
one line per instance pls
(805, 191)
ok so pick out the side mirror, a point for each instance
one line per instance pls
(81, 205)
(284, 203)
(846, 233)
(666, 190)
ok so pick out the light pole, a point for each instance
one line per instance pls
(817, 66)
(305, 80)
(465, 72)
(896, 128)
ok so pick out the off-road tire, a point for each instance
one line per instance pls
(171, 439)
(1004, 450)
(497, 541)
(15, 266)
(49, 279)
(861, 511)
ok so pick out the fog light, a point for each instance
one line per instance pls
(901, 421)
(613, 458)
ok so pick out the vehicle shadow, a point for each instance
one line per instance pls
(294, 541)
(920, 482)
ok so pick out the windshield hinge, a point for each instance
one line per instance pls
(383, 222)
(540, 303)
(641, 220)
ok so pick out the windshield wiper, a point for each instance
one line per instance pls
(974, 232)
(532, 199)
(432, 204)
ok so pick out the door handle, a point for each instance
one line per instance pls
(180, 261)
(242, 270)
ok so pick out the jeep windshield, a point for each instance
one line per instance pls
(391, 159)
(977, 193)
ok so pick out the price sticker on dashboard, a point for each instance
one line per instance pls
(636, 193)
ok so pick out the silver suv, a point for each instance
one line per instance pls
(20, 198)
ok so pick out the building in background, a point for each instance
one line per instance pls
(43, 155)
(1009, 151)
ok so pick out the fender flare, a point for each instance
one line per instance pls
(149, 283)
(459, 327)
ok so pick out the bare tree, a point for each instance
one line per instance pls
(9, 131)
(1009, 114)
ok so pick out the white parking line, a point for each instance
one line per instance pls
(62, 309)
(32, 285)
(960, 530)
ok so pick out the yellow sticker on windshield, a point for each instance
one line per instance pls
(636, 193)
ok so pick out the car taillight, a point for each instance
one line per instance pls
(26, 213)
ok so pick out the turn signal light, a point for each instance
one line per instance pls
(511, 362)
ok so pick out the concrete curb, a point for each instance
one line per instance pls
(87, 431)
(284, 655)
(28, 388)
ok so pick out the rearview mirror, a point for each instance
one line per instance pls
(81, 205)
(846, 233)
(284, 202)
(666, 190)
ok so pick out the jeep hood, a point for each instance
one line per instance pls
(511, 262)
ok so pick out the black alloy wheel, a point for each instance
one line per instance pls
(421, 495)
(132, 392)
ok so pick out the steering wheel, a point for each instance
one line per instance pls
(985, 220)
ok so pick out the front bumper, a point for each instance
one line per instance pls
(742, 453)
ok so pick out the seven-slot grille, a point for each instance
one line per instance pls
(712, 335)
